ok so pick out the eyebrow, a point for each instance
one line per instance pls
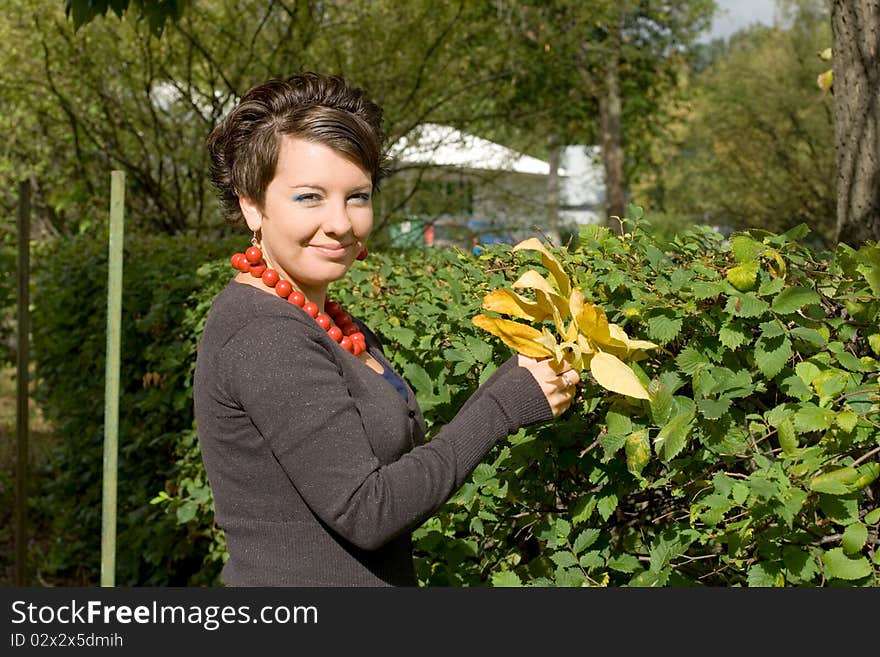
(359, 188)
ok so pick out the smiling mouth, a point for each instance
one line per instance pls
(331, 249)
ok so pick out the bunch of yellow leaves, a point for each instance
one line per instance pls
(584, 337)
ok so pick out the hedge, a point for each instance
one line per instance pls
(754, 463)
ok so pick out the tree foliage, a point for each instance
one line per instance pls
(755, 148)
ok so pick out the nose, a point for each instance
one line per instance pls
(337, 220)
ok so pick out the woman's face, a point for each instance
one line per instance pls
(317, 214)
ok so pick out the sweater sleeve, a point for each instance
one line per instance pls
(292, 386)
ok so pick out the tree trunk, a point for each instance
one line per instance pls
(611, 137)
(855, 26)
(553, 157)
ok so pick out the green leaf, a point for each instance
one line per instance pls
(771, 286)
(664, 326)
(585, 539)
(563, 559)
(733, 335)
(702, 290)
(840, 566)
(766, 574)
(813, 418)
(836, 482)
(583, 508)
(854, 538)
(691, 359)
(607, 504)
(506, 578)
(713, 409)
(772, 354)
(788, 439)
(793, 299)
(746, 305)
(847, 420)
(810, 336)
(872, 517)
(799, 562)
(745, 248)
(625, 563)
(743, 277)
(672, 438)
(874, 342)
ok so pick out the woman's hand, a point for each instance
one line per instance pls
(558, 382)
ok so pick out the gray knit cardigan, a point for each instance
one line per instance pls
(318, 467)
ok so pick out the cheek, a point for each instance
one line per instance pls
(362, 224)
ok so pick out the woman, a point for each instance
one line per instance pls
(312, 444)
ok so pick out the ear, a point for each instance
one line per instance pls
(252, 213)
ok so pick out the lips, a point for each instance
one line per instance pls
(331, 250)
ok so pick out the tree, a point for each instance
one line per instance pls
(754, 147)
(855, 26)
(606, 71)
(156, 12)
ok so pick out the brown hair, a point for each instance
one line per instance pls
(325, 109)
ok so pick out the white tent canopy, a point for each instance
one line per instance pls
(441, 145)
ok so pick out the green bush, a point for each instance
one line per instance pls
(155, 407)
(753, 464)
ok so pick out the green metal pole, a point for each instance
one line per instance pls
(111, 379)
(22, 412)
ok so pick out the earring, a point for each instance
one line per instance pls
(254, 240)
(363, 254)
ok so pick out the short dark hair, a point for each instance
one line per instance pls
(325, 109)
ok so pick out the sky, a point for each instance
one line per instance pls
(734, 15)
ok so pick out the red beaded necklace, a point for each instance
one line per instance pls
(339, 324)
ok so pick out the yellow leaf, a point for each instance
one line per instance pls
(575, 303)
(618, 334)
(534, 280)
(611, 373)
(592, 321)
(744, 277)
(563, 283)
(522, 338)
(510, 303)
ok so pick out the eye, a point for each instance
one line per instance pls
(308, 198)
(360, 198)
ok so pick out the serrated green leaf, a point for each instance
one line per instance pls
(734, 335)
(744, 277)
(660, 401)
(792, 299)
(811, 418)
(606, 505)
(874, 342)
(872, 517)
(691, 359)
(808, 335)
(585, 539)
(583, 508)
(673, 436)
(840, 566)
(746, 305)
(799, 563)
(854, 538)
(618, 421)
(703, 290)
(664, 327)
(788, 439)
(771, 287)
(766, 574)
(624, 563)
(745, 248)
(563, 559)
(714, 409)
(506, 578)
(847, 420)
(772, 354)
(807, 371)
